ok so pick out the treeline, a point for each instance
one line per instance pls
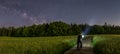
(58, 29)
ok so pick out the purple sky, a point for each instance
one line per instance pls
(28, 12)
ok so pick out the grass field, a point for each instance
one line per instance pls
(36, 45)
(106, 44)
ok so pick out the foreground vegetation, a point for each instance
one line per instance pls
(106, 44)
(36, 45)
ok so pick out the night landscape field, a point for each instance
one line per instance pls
(36, 45)
(59, 26)
(107, 44)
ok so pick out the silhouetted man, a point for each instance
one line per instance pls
(79, 41)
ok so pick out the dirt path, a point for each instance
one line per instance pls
(87, 48)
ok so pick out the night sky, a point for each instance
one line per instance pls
(28, 12)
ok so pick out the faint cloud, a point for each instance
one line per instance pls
(35, 20)
(3, 7)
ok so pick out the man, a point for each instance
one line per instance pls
(79, 41)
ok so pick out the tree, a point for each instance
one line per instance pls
(58, 28)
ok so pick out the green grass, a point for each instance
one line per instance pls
(107, 44)
(36, 45)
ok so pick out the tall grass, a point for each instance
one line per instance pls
(106, 44)
(36, 45)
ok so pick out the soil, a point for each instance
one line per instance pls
(86, 49)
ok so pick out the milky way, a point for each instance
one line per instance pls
(28, 12)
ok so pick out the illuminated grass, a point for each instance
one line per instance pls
(107, 44)
(36, 45)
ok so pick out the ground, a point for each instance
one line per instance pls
(87, 48)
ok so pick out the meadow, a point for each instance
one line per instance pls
(106, 44)
(36, 45)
